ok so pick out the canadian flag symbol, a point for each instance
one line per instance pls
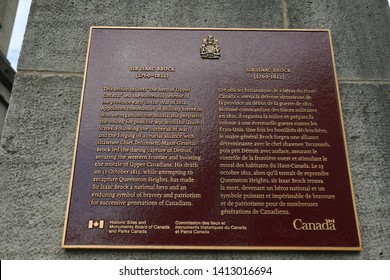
(96, 224)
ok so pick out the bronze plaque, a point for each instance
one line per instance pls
(210, 139)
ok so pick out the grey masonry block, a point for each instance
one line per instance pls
(38, 138)
(36, 160)
(35, 163)
(367, 120)
(57, 31)
(360, 31)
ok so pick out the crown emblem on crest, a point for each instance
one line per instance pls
(210, 48)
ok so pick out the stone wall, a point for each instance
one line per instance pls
(7, 17)
(38, 138)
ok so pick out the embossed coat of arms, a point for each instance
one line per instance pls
(210, 48)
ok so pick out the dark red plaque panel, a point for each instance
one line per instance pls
(210, 139)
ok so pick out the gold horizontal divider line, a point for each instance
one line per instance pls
(50, 73)
(367, 82)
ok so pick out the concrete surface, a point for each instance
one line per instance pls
(63, 26)
(360, 31)
(37, 141)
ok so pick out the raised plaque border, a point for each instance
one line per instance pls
(246, 248)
